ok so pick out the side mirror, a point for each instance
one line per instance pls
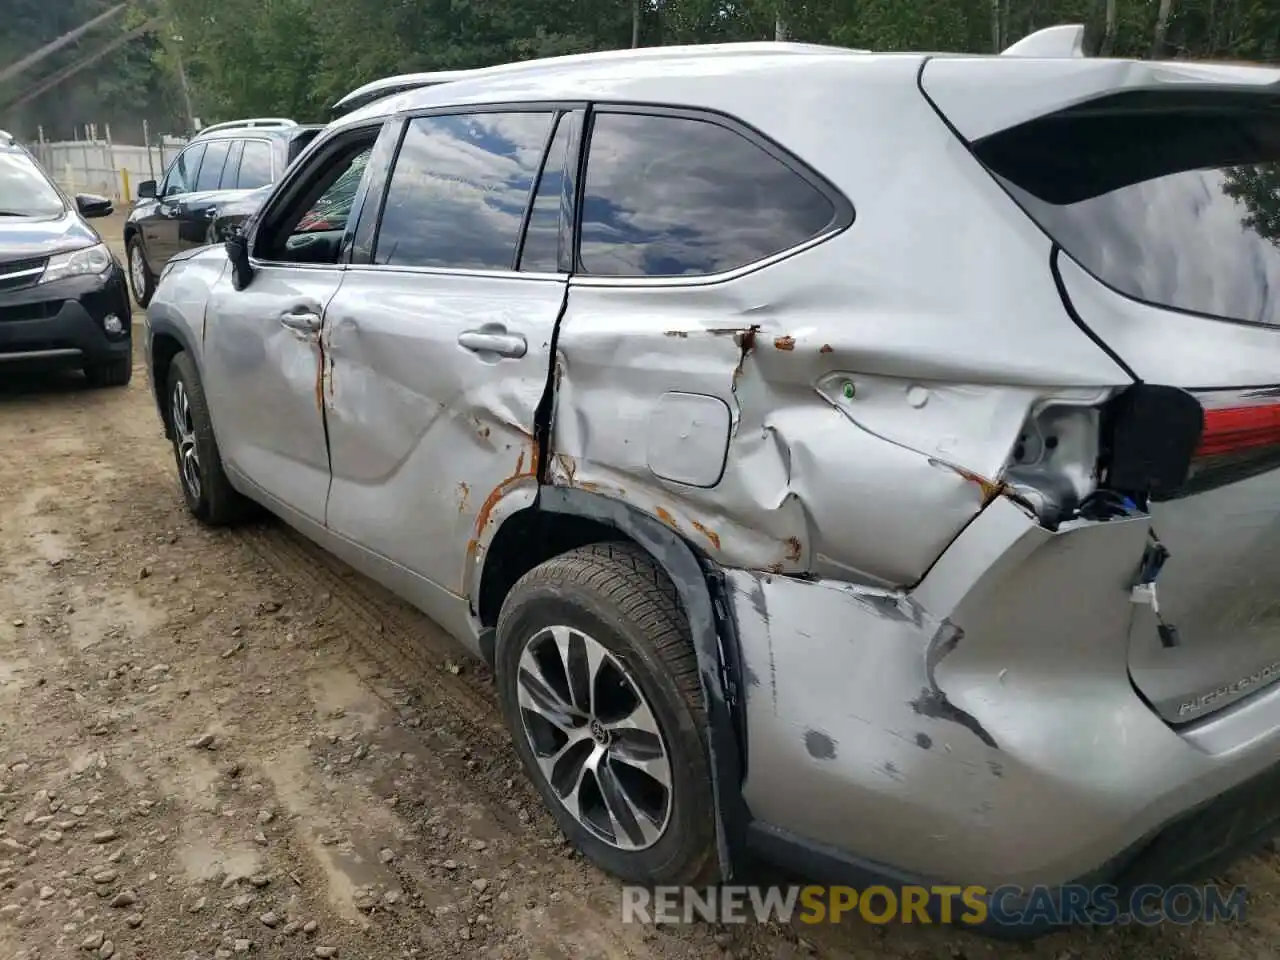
(147, 190)
(91, 205)
(237, 247)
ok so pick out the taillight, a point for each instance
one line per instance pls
(1241, 438)
(1237, 429)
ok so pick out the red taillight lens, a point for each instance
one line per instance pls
(1239, 429)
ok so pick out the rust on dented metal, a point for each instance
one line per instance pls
(827, 348)
(665, 516)
(784, 343)
(712, 537)
(794, 549)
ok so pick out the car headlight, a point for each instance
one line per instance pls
(78, 263)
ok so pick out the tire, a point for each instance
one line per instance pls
(141, 282)
(615, 596)
(113, 373)
(211, 498)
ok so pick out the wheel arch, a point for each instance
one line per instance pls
(564, 518)
(167, 340)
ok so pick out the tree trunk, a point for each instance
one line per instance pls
(1162, 29)
(779, 24)
(1109, 32)
(995, 26)
(635, 23)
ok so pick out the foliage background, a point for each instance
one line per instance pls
(295, 57)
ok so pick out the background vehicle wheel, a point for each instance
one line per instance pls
(141, 282)
(205, 488)
(114, 373)
(600, 689)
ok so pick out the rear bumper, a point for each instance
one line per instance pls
(61, 323)
(982, 729)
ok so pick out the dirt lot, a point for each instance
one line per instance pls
(224, 743)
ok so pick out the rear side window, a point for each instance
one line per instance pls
(215, 158)
(1173, 199)
(459, 188)
(255, 165)
(672, 196)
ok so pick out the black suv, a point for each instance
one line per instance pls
(222, 164)
(63, 299)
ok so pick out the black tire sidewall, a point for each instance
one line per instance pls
(679, 853)
(206, 450)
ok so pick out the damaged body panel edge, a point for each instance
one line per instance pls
(716, 665)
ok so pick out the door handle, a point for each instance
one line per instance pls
(495, 341)
(303, 321)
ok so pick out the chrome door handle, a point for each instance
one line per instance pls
(303, 321)
(494, 342)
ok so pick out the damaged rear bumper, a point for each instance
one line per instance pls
(982, 729)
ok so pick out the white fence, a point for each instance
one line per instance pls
(100, 166)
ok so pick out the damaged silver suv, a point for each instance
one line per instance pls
(887, 484)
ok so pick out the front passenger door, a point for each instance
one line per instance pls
(263, 348)
(161, 226)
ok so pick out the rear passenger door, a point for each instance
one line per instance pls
(438, 343)
(194, 212)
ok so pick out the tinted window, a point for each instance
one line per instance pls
(231, 169)
(255, 165)
(459, 189)
(215, 157)
(671, 196)
(541, 239)
(1178, 206)
(181, 177)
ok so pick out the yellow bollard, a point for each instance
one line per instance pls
(124, 175)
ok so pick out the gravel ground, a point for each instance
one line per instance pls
(215, 744)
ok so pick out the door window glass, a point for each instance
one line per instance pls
(669, 196)
(231, 169)
(181, 177)
(459, 189)
(255, 165)
(215, 158)
(314, 233)
(541, 238)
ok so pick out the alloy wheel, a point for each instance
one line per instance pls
(137, 271)
(595, 738)
(184, 439)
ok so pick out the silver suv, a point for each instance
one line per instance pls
(869, 461)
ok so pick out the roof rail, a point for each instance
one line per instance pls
(1063, 41)
(252, 122)
(388, 86)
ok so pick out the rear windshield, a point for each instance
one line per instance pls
(24, 190)
(1172, 199)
